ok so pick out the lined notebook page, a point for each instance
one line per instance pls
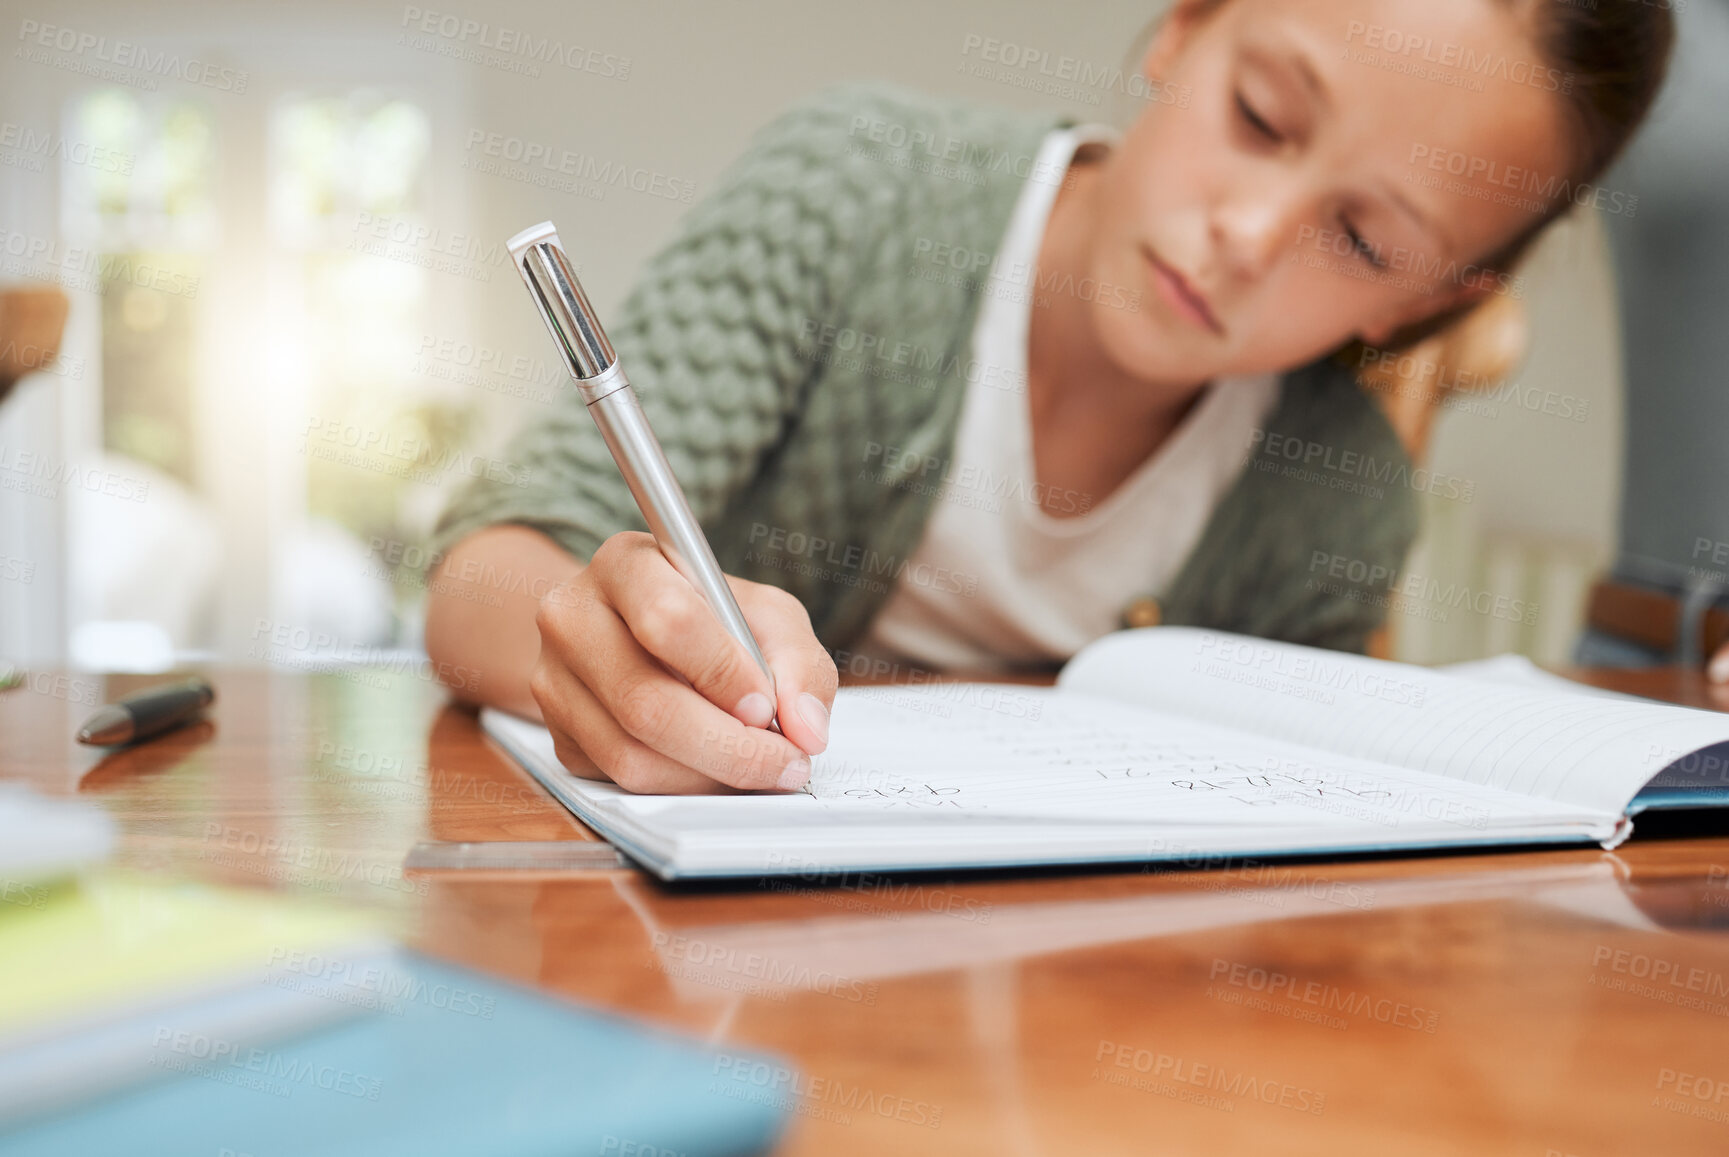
(996, 749)
(1584, 750)
(949, 762)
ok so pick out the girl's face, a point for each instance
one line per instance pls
(1291, 205)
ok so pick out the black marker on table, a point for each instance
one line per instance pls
(147, 713)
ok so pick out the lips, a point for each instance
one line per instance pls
(1183, 298)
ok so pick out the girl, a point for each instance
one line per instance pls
(956, 386)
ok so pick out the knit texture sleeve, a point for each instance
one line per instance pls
(1327, 480)
(710, 335)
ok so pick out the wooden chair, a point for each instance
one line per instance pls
(32, 319)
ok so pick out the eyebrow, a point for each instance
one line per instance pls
(1305, 68)
(1284, 56)
(1297, 55)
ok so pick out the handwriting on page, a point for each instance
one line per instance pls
(916, 796)
(1108, 763)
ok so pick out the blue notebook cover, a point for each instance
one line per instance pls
(453, 1063)
(1699, 779)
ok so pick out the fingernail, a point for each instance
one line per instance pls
(754, 710)
(796, 774)
(815, 714)
(1718, 671)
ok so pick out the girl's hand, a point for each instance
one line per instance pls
(1718, 670)
(639, 683)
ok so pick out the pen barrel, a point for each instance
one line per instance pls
(656, 490)
(163, 707)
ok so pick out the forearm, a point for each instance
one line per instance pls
(480, 612)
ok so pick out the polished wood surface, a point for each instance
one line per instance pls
(1572, 1002)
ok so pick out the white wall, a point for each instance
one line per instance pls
(702, 77)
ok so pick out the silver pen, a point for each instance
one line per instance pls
(613, 405)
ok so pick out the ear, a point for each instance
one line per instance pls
(1380, 332)
(1173, 35)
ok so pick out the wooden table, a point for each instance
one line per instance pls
(1572, 1002)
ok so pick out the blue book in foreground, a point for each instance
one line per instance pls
(441, 1061)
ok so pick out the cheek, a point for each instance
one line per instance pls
(1171, 159)
(1302, 309)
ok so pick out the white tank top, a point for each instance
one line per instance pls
(995, 581)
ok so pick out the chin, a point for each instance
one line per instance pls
(1147, 343)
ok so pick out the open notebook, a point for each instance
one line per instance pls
(1173, 743)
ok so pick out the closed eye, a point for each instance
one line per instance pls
(1362, 246)
(1256, 121)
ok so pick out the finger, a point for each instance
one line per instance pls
(653, 707)
(804, 673)
(590, 743)
(1718, 671)
(677, 626)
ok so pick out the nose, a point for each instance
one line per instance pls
(1252, 223)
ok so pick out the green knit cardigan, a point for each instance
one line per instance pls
(802, 347)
